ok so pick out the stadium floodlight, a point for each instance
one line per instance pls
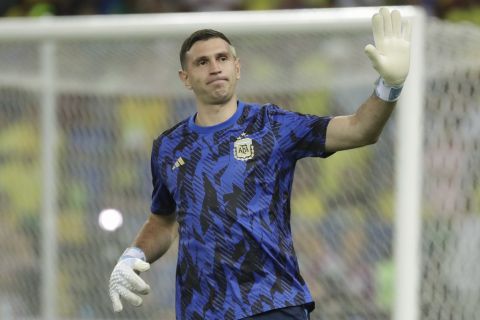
(110, 219)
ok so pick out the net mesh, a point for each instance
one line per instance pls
(115, 97)
(451, 207)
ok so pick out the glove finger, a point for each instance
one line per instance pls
(129, 296)
(373, 54)
(141, 266)
(387, 21)
(396, 23)
(407, 31)
(117, 304)
(134, 282)
(378, 31)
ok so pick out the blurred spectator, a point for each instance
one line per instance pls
(154, 6)
(460, 11)
(19, 193)
(212, 5)
(31, 8)
(358, 3)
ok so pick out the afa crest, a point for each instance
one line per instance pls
(243, 148)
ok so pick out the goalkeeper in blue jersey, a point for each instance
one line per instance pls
(224, 177)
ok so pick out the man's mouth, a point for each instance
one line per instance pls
(217, 80)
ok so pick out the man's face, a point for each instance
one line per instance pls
(211, 71)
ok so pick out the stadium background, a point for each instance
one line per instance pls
(342, 209)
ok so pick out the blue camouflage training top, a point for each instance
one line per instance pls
(230, 187)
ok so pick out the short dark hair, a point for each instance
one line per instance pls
(199, 35)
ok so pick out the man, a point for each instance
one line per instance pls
(224, 176)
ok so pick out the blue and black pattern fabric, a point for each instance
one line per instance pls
(229, 186)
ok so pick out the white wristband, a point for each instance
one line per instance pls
(387, 92)
(133, 252)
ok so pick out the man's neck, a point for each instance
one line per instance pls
(210, 115)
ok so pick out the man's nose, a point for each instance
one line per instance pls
(215, 67)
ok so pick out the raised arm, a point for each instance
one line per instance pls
(391, 58)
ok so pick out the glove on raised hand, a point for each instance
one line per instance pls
(391, 54)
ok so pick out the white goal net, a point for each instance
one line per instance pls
(111, 96)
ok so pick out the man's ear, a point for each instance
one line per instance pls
(237, 68)
(183, 75)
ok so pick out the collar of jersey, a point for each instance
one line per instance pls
(217, 127)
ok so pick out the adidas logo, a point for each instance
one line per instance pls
(178, 163)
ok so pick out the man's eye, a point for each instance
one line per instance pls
(202, 62)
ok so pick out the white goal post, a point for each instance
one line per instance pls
(50, 31)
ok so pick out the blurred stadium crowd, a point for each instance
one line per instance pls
(446, 9)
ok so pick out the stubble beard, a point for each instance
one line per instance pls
(220, 99)
(219, 96)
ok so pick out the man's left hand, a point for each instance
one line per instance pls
(391, 54)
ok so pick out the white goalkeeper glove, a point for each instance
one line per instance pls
(125, 282)
(391, 54)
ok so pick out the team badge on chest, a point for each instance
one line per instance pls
(243, 148)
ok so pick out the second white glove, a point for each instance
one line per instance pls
(125, 282)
